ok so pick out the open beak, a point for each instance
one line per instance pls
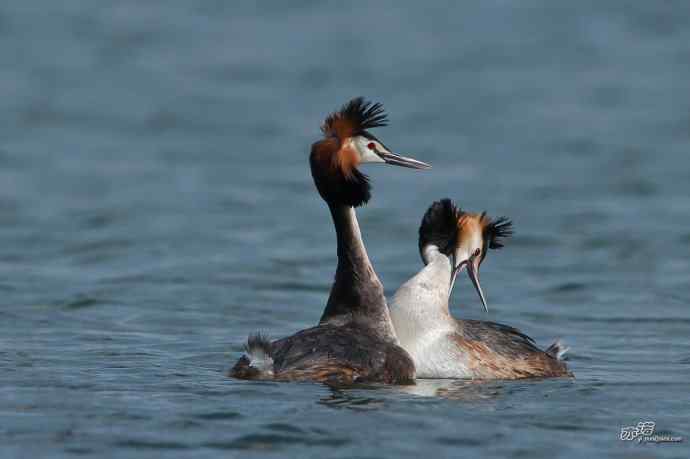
(454, 274)
(473, 273)
(397, 160)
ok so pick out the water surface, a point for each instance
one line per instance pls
(156, 206)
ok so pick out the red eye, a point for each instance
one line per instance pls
(371, 146)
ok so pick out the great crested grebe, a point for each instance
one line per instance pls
(441, 346)
(355, 340)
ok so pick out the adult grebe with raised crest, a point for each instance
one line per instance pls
(451, 240)
(355, 340)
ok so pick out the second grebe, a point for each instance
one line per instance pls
(441, 346)
(355, 340)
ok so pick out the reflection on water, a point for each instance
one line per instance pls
(466, 391)
(364, 397)
(353, 400)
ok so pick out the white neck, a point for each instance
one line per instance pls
(420, 306)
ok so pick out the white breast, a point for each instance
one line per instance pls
(419, 310)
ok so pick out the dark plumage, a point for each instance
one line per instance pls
(439, 226)
(353, 118)
(257, 342)
(502, 352)
(331, 354)
(495, 231)
(335, 185)
(338, 355)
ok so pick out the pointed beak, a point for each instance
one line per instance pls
(473, 273)
(453, 274)
(397, 160)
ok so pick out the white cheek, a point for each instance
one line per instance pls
(470, 244)
(467, 248)
(461, 254)
(369, 156)
(477, 241)
(365, 154)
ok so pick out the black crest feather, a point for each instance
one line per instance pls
(440, 226)
(258, 342)
(359, 115)
(365, 115)
(496, 231)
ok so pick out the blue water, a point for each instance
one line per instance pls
(156, 206)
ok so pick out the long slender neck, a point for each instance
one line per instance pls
(421, 303)
(357, 293)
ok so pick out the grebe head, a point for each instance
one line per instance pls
(347, 143)
(476, 234)
(439, 230)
